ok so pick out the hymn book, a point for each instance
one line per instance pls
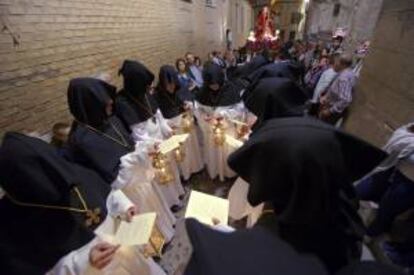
(173, 142)
(233, 142)
(204, 208)
(141, 231)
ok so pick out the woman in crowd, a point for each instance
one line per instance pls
(53, 208)
(99, 141)
(183, 77)
(391, 186)
(176, 107)
(138, 109)
(217, 105)
(305, 169)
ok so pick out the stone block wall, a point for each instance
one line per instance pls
(384, 98)
(45, 43)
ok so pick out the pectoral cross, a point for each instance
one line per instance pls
(92, 217)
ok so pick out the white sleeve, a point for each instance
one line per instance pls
(118, 204)
(233, 112)
(138, 158)
(223, 228)
(165, 128)
(140, 133)
(76, 262)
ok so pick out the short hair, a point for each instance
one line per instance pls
(345, 59)
(197, 58)
(188, 53)
(177, 62)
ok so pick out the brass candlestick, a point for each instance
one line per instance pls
(163, 171)
(219, 132)
(187, 122)
(179, 153)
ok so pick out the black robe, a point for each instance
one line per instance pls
(305, 168)
(170, 104)
(227, 94)
(244, 252)
(99, 149)
(250, 67)
(287, 69)
(134, 104)
(33, 240)
(275, 98)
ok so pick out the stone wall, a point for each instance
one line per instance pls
(358, 17)
(384, 97)
(45, 43)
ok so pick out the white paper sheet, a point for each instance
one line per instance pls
(204, 208)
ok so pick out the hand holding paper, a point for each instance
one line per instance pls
(206, 208)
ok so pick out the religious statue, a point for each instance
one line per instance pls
(264, 25)
(264, 35)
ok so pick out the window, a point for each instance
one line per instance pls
(211, 3)
(337, 9)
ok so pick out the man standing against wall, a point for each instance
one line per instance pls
(337, 98)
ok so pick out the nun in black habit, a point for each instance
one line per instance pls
(99, 141)
(138, 109)
(306, 168)
(287, 69)
(175, 103)
(217, 106)
(272, 98)
(244, 252)
(275, 97)
(52, 208)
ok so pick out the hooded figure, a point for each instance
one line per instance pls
(138, 109)
(97, 139)
(287, 69)
(171, 103)
(216, 104)
(225, 95)
(170, 98)
(134, 104)
(247, 69)
(244, 252)
(36, 181)
(305, 168)
(275, 97)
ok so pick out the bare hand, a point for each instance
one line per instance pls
(131, 212)
(102, 254)
(215, 221)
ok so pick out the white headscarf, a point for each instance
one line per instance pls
(400, 146)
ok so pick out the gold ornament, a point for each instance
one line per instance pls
(163, 172)
(187, 122)
(219, 132)
(179, 153)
